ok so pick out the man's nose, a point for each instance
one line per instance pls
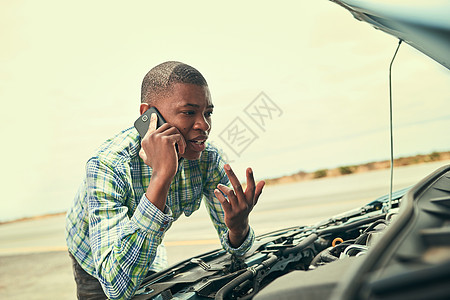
(202, 123)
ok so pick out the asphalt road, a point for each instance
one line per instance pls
(34, 263)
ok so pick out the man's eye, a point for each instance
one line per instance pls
(189, 112)
(208, 114)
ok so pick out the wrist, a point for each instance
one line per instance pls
(237, 236)
(162, 177)
(157, 190)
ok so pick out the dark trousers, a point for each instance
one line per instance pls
(88, 287)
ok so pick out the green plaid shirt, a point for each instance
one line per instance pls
(115, 232)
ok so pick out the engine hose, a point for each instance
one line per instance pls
(352, 225)
(302, 245)
(328, 257)
(375, 224)
(250, 273)
(323, 257)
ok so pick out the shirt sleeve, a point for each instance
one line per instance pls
(216, 175)
(123, 247)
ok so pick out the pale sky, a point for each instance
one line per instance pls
(71, 72)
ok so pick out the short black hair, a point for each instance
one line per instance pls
(159, 80)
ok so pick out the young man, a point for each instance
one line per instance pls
(135, 187)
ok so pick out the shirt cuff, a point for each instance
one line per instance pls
(148, 217)
(243, 248)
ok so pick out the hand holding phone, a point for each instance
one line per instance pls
(142, 123)
(157, 151)
(158, 139)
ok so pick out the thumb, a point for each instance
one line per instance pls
(143, 155)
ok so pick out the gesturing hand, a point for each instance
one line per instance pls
(158, 148)
(239, 204)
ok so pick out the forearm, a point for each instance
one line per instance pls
(122, 265)
(123, 270)
(157, 190)
(123, 247)
(238, 244)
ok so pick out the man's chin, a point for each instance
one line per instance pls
(191, 155)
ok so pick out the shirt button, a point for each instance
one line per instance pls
(161, 229)
(165, 223)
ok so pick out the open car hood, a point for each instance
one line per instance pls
(425, 25)
(383, 250)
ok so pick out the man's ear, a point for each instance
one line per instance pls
(143, 108)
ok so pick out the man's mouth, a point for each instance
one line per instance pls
(198, 144)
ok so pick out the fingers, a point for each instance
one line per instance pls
(153, 123)
(181, 143)
(238, 196)
(232, 199)
(167, 132)
(250, 190)
(143, 155)
(258, 191)
(223, 201)
(174, 137)
(234, 181)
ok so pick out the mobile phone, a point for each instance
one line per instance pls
(142, 123)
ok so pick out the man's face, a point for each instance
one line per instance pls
(189, 108)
